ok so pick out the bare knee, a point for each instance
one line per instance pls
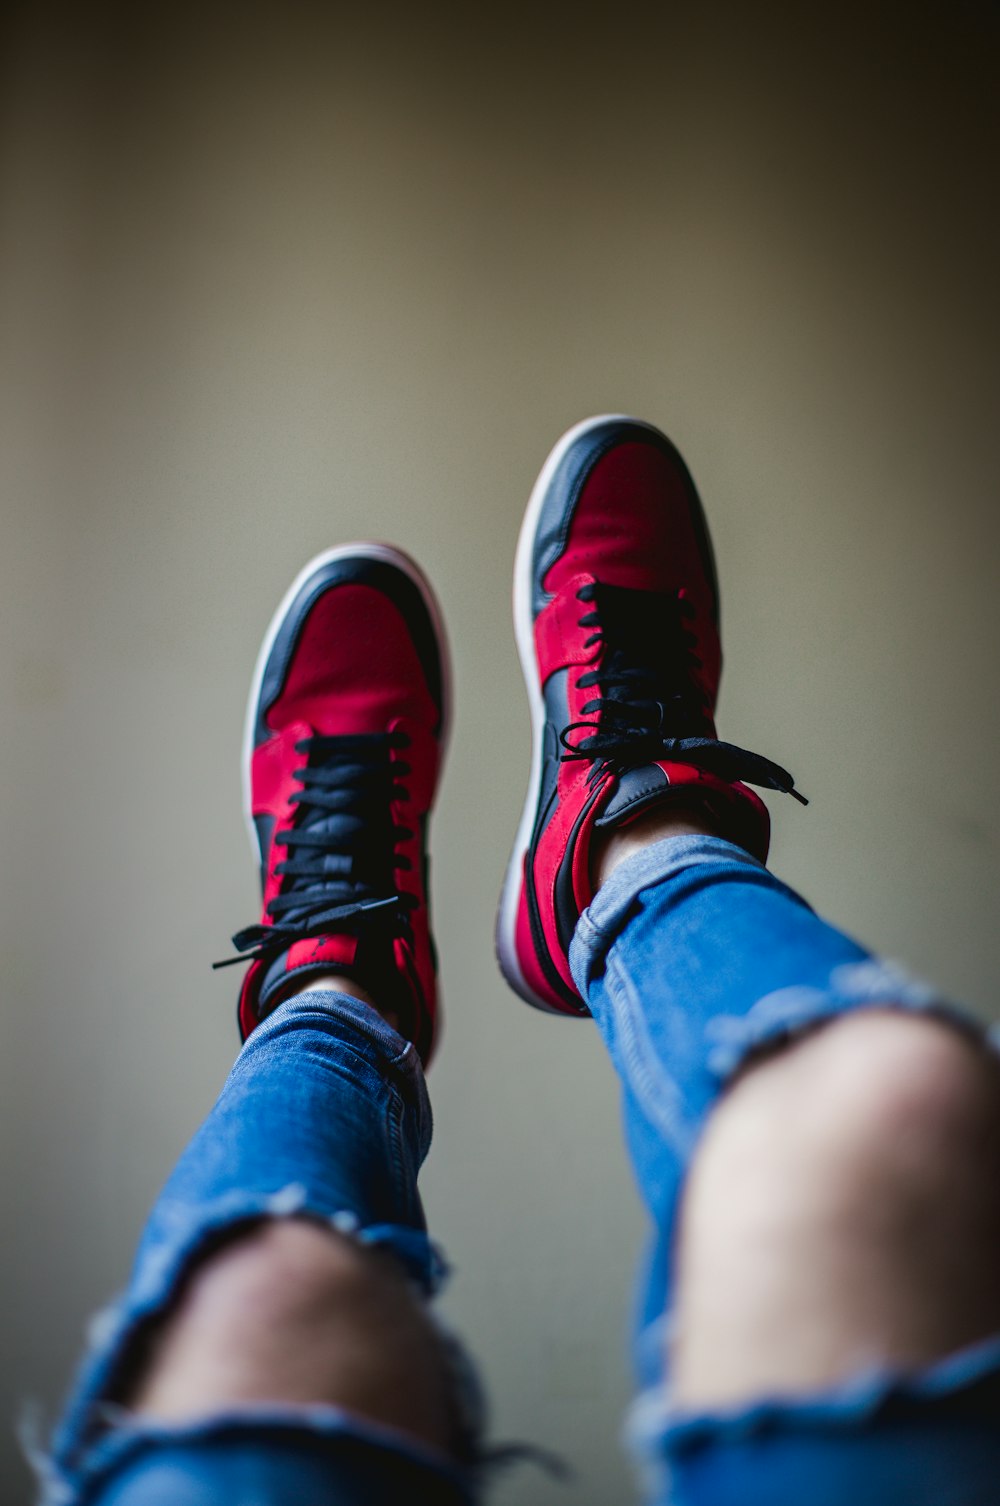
(844, 1208)
(281, 1269)
(292, 1313)
(867, 1093)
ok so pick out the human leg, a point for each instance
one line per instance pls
(332, 1322)
(714, 987)
(274, 1329)
(309, 1159)
(869, 1235)
(816, 1135)
(333, 1317)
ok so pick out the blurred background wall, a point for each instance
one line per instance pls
(278, 276)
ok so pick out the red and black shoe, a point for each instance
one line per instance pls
(616, 612)
(344, 738)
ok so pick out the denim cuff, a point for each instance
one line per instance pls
(616, 901)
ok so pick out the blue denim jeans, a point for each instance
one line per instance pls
(691, 957)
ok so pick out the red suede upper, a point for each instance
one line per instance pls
(354, 668)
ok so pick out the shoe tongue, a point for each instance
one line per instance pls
(340, 830)
(635, 789)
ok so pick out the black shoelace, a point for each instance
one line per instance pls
(341, 849)
(650, 705)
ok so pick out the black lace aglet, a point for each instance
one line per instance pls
(249, 944)
(800, 798)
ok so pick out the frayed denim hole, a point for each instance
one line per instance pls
(166, 1275)
(122, 1336)
(288, 1202)
(882, 978)
(857, 1401)
(420, 1261)
(652, 1350)
(131, 1439)
(788, 1013)
(642, 1437)
(655, 1090)
(731, 1039)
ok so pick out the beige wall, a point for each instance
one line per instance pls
(279, 277)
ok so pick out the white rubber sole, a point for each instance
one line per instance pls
(524, 633)
(387, 554)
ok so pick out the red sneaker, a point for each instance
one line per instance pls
(617, 619)
(344, 738)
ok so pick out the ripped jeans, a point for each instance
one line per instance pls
(691, 957)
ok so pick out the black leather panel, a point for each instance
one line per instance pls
(636, 788)
(556, 696)
(265, 832)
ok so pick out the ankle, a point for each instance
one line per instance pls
(674, 818)
(337, 983)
